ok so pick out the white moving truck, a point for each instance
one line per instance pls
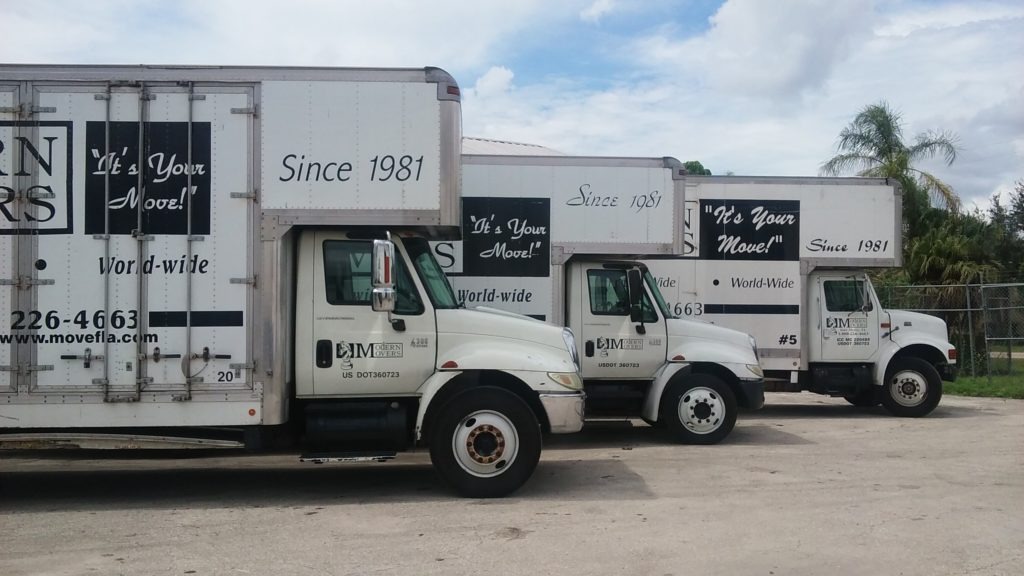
(785, 259)
(189, 252)
(557, 238)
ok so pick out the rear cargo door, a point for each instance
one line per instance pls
(150, 294)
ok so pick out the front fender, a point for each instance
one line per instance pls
(506, 354)
(714, 351)
(652, 404)
(890, 348)
(427, 392)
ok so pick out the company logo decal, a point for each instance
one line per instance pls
(165, 169)
(36, 176)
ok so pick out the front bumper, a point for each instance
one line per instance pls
(751, 394)
(564, 411)
(948, 372)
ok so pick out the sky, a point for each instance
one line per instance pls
(752, 87)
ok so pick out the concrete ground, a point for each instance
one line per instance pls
(808, 485)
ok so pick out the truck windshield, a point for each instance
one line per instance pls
(652, 285)
(434, 280)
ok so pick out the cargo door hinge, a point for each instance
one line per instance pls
(249, 110)
(249, 280)
(238, 367)
(27, 368)
(26, 110)
(248, 195)
(25, 282)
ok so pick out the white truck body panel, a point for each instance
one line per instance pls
(174, 306)
(524, 216)
(751, 243)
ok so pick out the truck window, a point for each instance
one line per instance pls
(436, 283)
(609, 295)
(347, 277)
(845, 296)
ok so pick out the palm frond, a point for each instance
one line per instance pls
(842, 163)
(933, 142)
(938, 190)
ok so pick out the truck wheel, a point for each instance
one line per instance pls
(912, 387)
(867, 398)
(699, 409)
(485, 442)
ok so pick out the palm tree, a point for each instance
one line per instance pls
(873, 145)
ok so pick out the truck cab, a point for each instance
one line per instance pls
(387, 359)
(871, 355)
(638, 358)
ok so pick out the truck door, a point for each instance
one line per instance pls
(355, 350)
(847, 319)
(613, 345)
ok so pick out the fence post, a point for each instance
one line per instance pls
(970, 328)
(984, 325)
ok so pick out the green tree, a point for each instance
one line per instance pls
(872, 145)
(696, 168)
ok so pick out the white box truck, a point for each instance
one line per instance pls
(189, 252)
(558, 238)
(785, 259)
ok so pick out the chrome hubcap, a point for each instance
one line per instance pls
(908, 388)
(485, 443)
(701, 410)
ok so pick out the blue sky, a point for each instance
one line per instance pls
(748, 86)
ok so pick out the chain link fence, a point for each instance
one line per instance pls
(985, 321)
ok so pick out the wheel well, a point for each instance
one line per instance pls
(925, 352)
(723, 374)
(475, 378)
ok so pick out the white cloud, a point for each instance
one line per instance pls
(763, 93)
(496, 81)
(764, 89)
(596, 10)
(755, 47)
(913, 18)
(449, 33)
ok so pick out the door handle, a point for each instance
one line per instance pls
(324, 358)
(588, 348)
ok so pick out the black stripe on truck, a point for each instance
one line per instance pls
(751, 309)
(176, 319)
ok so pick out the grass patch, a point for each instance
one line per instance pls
(1000, 386)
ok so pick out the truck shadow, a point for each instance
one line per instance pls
(628, 435)
(188, 484)
(844, 411)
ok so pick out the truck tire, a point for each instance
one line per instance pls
(912, 387)
(485, 442)
(699, 409)
(867, 398)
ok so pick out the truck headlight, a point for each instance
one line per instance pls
(570, 380)
(570, 344)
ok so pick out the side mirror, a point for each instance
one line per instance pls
(383, 265)
(636, 295)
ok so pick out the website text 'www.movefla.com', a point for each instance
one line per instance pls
(97, 337)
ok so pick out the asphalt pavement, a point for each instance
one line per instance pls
(808, 485)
